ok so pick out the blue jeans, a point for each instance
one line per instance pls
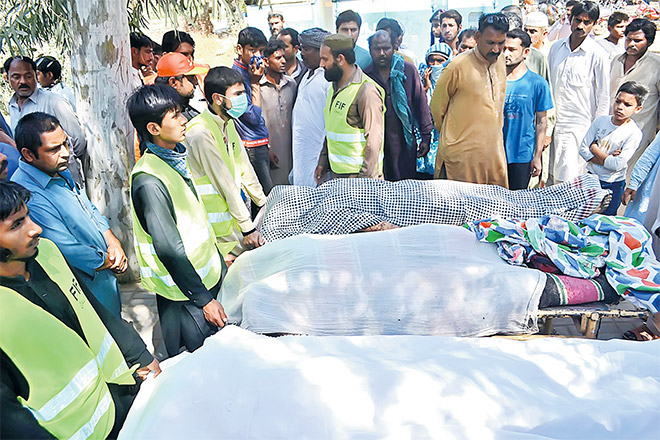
(617, 189)
(260, 161)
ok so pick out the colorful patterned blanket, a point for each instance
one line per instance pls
(620, 244)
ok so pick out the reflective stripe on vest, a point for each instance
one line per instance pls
(222, 222)
(109, 355)
(194, 230)
(346, 144)
(66, 374)
(88, 428)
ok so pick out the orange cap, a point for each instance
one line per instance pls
(176, 64)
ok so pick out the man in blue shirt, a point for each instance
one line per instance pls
(251, 125)
(65, 214)
(527, 100)
(349, 22)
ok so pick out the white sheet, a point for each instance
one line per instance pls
(420, 280)
(240, 385)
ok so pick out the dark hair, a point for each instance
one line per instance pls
(635, 89)
(346, 16)
(515, 22)
(523, 36)
(273, 46)
(513, 9)
(273, 14)
(173, 39)
(571, 3)
(10, 60)
(638, 24)
(29, 129)
(466, 33)
(587, 7)
(497, 21)
(139, 40)
(150, 104)
(452, 13)
(617, 17)
(166, 79)
(158, 49)
(252, 36)
(47, 64)
(293, 34)
(219, 79)
(380, 32)
(391, 25)
(12, 198)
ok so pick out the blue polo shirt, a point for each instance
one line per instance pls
(524, 98)
(73, 223)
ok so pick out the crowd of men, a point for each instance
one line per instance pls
(498, 104)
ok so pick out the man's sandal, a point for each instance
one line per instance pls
(641, 333)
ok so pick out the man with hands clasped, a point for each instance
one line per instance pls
(63, 210)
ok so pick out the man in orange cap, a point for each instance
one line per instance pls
(180, 73)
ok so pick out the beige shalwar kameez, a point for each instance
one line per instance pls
(468, 107)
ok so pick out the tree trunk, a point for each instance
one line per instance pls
(100, 63)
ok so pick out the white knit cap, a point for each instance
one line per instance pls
(537, 19)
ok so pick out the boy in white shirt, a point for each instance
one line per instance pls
(612, 140)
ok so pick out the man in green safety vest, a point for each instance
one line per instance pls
(220, 165)
(354, 115)
(68, 365)
(174, 242)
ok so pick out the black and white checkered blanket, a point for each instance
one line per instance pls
(343, 206)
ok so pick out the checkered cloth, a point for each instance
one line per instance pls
(343, 206)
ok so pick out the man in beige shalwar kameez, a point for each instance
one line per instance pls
(467, 108)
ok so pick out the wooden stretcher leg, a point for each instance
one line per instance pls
(593, 325)
(547, 326)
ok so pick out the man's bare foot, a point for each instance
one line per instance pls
(382, 226)
(641, 333)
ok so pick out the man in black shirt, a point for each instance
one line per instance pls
(176, 249)
(22, 273)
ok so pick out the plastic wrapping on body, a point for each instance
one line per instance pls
(421, 280)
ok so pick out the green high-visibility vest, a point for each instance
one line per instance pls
(193, 227)
(346, 144)
(221, 220)
(67, 376)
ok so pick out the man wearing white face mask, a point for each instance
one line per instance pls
(220, 165)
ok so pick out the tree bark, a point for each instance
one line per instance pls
(100, 63)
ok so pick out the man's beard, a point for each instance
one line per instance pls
(334, 73)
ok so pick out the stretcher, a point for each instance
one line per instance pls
(587, 317)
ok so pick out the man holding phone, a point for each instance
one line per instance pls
(251, 126)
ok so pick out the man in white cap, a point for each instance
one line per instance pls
(536, 25)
